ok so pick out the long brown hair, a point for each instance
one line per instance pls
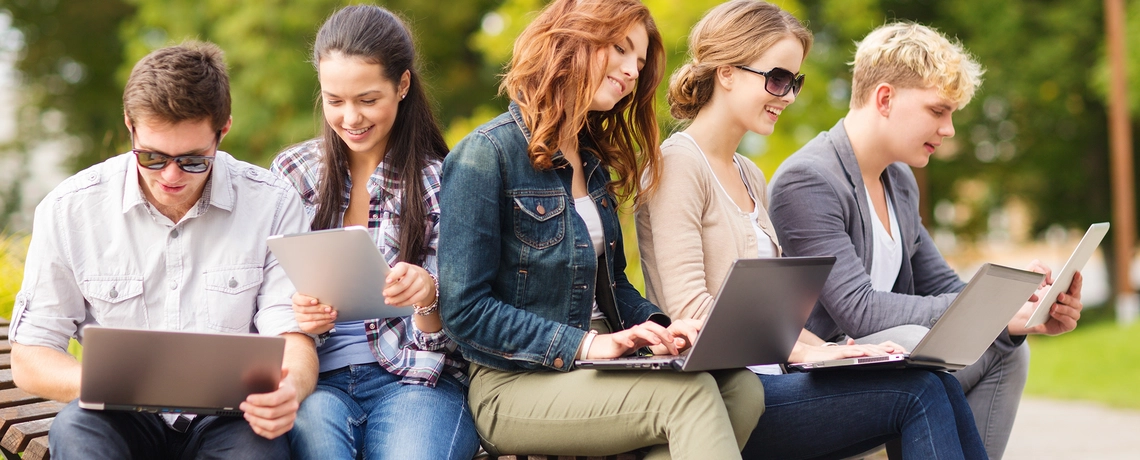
(554, 74)
(378, 36)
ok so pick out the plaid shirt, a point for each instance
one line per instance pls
(400, 348)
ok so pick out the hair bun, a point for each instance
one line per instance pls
(690, 88)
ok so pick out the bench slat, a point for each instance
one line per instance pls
(20, 434)
(6, 381)
(17, 397)
(12, 415)
(37, 449)
(4, 332)
(5, 361)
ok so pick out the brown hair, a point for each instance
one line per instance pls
(910, 55)
(734, 33)
(554, 73)
(377, 36)
(186, 82)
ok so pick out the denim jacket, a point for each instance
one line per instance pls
(517, 286)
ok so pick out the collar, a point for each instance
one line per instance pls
(385, 178)
(558, 160)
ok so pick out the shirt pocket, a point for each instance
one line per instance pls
(116, 300)
(540, 221)
(231, 296)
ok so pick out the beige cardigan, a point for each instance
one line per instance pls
(689, 232)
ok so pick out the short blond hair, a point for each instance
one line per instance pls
(910, 55)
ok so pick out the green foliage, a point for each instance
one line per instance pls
(268, 45)
(13, 249)
(1060, 366)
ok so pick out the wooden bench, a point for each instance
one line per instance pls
(24, 419)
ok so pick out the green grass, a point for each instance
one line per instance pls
(1099, 361)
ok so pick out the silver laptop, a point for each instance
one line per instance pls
(176, 372)
(969, 325)
(341, 267)
(756, 318)
(1064, 278)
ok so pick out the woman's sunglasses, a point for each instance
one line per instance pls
(194, 164)
(779, 81)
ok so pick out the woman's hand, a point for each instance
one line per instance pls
(409, 284)
(804, 353)
(621, 343)
(313, 317)
(684, 333)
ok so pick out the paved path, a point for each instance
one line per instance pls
(1051, 429)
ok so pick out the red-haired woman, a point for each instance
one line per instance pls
(532, 264)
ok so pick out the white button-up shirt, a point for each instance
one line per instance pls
(101, 254)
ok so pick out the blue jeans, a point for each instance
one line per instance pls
(842, 413)
(363, 411)
(91, 434)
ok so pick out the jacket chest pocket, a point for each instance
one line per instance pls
(231, 297)
(540, 221)
(116, 301)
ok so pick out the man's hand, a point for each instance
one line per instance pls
(272, 414)
(1063, 315)
(313, 317)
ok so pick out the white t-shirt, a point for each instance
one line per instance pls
(588, 211)
(886, 258)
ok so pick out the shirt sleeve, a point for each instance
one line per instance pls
(274, 302)
(50, 306)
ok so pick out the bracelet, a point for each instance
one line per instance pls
(586, 342)
(829, 344)
(434, 305)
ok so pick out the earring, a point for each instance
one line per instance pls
(402, 96)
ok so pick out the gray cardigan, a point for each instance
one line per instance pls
(819, 207)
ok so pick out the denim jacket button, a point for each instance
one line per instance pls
(558, 362)
(604, 201)
(540, 210)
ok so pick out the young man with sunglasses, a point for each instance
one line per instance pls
(169, 236)
(890, 282)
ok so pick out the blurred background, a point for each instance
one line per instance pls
(1027, 172)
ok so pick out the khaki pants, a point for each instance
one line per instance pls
(697, 415)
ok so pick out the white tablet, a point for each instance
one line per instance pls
(1064, 278)
(341, 267)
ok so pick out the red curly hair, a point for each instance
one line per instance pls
(554, 74)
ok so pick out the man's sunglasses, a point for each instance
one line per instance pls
(779, 81)
(157, 161)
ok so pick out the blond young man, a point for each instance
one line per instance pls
(890, 281)
(168, 236)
